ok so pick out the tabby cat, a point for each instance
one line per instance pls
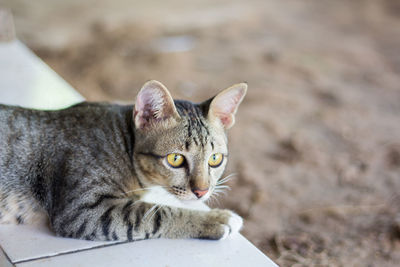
(111, 172)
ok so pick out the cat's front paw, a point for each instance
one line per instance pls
(235, 223)
(224, 223)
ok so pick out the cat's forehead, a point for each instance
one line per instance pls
(194, 126)
(193, 131)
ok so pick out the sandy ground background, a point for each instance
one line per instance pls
(316, 147)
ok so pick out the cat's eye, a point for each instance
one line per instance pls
(175, 160)
(215, 160)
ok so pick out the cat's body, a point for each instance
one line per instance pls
(88, 168)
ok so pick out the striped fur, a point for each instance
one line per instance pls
(89, 169)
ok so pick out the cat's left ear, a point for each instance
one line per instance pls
(223, 106)
(154, 105)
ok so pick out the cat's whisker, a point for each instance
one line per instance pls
(149, 211)
(223, 187)
(216, 194)
(215, 199)
(143, 189)
(159, 207)
(210, 199)
(220, 191)
(226, 179)
(135, 202)
(135, 190)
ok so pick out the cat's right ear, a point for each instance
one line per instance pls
(154, 105)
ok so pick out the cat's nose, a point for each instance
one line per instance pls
(199, 192)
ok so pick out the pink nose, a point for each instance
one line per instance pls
(199, 193)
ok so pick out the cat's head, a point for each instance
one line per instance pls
(180, 145)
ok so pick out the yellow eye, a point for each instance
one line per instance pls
(175, 160)
(215, 160)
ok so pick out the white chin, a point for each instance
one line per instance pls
(196, 204)
(159, 195)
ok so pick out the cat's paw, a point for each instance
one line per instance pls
(224, 222)
(235, 223)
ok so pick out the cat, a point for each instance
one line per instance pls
(92, 170)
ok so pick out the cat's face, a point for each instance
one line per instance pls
(182, 146)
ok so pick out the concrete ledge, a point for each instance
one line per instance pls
(25, 80)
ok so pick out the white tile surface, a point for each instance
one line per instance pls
(235, 251)
(26, 81)
(22, 242)
(4, 261)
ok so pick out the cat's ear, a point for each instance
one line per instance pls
(154, 104)
(223, 106)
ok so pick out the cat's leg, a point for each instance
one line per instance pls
(20, 208)
(127, 219)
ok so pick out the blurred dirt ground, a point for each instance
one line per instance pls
(316, 147)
